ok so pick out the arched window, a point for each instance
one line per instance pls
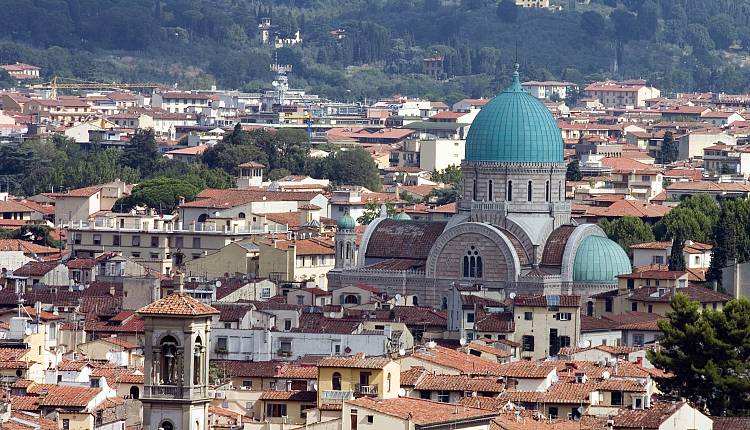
(415, 301)
(166, 425)
(509, 197)
(341, 251)
(197, 361)
(135, 392)
(444, 303)
(528, 192)
(348, 250)
(202, 217)
(546, 191)
(336, 381)
(474, 190)
(351, 299)
(490, 190)
(472, 266)
(169, 369)
(241, 215)
(590, 309)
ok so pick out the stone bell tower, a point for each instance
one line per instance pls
(177, 336)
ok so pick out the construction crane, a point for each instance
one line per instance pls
(55, 85)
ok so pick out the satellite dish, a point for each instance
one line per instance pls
(605, 375)
(401, 392)
(28, 332)
(462, 341)
(218, 284)
(431, 344)
(584, 344)
(397, 297)
(512, 296)
(402, 352)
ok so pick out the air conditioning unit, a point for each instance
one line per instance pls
(220, 394)
(211, 393)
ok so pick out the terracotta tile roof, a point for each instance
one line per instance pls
(81, 263)
(358, 361)
(403, 239)
(485, 403)
(233, 197)
(68, 396)
(298, 371)
(526, 369)
(430, 382)
(317, 323)
(36, 268)
(652, 245)
(118, 341)
(654, 274)
(542, 301)
(421, 412)
(24, 403)
(290, 396)
(627, 385)
(555, 246)
(627, 319)
(72, 365)
(731, 423)
(589, 324)
(494, 322)
(698, 294)
(26, 247)
(117, 375)
(79, 192)
(291, 219)
(410, 377)
(709, 186)
(178, 304)
(230, 312)
(651, 418)
(634, 208)
(488, 349)
(460, 361)
(561, 392)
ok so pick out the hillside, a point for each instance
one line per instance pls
(379, 46)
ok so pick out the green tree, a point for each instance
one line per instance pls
(141, 153)
(670, 149)
(573, 172)
(706, 352)
(676, 256)
(731, 237)
(6, 81)
(451, 175)
(355, 167)
(372, 211)
(627, 231)
(507, 11)
(593, 23)
(443, 196)
(162, 194)
(693, 219)
(722, 30)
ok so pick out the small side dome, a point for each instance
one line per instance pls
(402, 216)
(599, 261)
(346, 222)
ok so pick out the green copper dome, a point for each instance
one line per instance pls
(402, 216)
(346, 222)
(599, 261)
(514, 127)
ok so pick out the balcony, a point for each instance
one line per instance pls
(335, 396)
(174, 392)
(367, 390)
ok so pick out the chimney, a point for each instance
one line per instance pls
(179, 279)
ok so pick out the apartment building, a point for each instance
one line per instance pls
(546, 324)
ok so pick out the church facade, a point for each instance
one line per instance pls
(513, 231)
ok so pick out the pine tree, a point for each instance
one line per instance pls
(676, 257)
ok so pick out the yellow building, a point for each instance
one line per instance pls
(346, 378)
(617, 301)
(546, 324)
(115, 350)
(306, 261)
(289, 406)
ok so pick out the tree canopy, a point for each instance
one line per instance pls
(626, 231)
(708, 354)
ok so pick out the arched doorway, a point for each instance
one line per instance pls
(135, 392)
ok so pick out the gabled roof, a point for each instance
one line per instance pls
(421, 412)
(358, 361)
(460, 361)
(651, 418)
(178, 304)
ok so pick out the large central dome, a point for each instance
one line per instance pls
(514, 127)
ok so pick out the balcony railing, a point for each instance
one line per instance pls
(174, 392)
(367, 390)
(336, 396)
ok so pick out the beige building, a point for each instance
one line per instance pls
(544, 324)
(160, 243)
(79, 204)
(621, 94)
(114, 350)
(305, 261)
(344, 378)
(237, 258)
